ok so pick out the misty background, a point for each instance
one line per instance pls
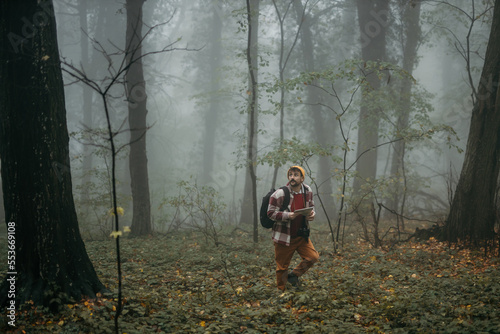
(200, 88)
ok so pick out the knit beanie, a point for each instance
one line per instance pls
(296, 167)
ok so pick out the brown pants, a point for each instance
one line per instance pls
(283, 255)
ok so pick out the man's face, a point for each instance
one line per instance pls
(295, 178)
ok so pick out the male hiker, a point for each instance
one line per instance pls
(291, 230)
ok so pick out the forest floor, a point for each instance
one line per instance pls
(182, 284)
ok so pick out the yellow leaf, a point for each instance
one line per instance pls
(202, 324)
(60, 323)
(119, 209)
(45, 58)
(126, 229)
(116, 234)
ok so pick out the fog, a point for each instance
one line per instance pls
(181, 85)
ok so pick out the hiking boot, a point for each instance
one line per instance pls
(293, 279)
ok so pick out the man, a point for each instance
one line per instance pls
(291, 230)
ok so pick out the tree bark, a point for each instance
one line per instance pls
(412, 33)
(248, 214)
(51, 263)
(87, 95)
(137, 114)
(324, 135)
(373, 22)
(252, 15)
(472, 212)
(212, 117)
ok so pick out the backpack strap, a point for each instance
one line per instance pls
(304, 191)
(286, 200)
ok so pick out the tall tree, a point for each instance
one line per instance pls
(373, 23)
(313, 101)
(252, 17)
(137, 114)
(212, 116)
(284, 57)
(248, 212)
(472, 212)
(51, 261)
(87, 94)
(88, 61)
(410, 41)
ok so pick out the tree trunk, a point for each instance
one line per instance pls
(212, 117)
(51, 262)
(411, 21)
(282, 63)
(2, 211)
(324, 135)
(87, 95)
(137, 112)
(472, 212)
(373, 22)
(248, 213)
(253, 17)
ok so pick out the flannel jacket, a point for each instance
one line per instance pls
(281, 229)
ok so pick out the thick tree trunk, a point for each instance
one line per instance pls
(51, 261)
(2, 211)
(472, 212)
(137, 112)
(373, 22)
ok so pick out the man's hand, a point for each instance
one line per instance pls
(311, 215)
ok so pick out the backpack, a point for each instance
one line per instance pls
(265, 221)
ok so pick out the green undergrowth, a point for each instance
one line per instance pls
(179, 284)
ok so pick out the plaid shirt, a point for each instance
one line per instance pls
(281, 229)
